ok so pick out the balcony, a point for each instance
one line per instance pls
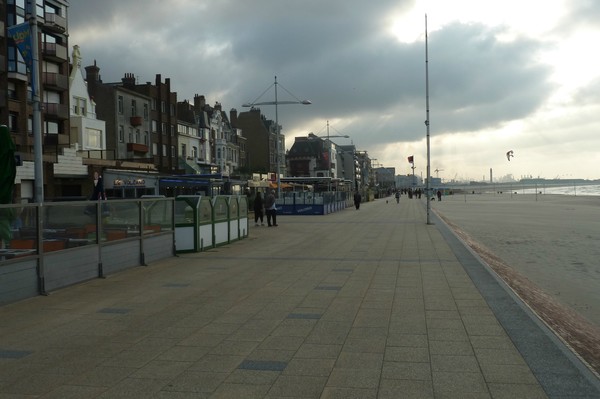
(55, 22)
(135, 121)
(136, 147)
(54, 51)
(55, 81)
(60, 111)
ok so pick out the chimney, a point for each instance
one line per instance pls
(199, 101)
(233, 116)
(218, 106)
(128, 80)
(92, 73)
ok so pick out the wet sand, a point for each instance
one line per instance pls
(546, 248)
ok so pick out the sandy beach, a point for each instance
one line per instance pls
(554, 240)
(547, 248)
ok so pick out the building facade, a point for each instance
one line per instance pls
(53, 87)
(261, 141)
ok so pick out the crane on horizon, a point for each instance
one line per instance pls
(437, 172)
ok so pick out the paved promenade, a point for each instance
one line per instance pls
(372, 303)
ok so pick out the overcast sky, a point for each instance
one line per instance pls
(503, 74)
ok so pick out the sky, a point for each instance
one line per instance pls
(502, 74)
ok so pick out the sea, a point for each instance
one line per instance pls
(573, 190)
(553, 188)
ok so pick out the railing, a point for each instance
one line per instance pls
(55, 80)
(310, 203)
(56, 109)
(49, 246)
(54, 50)
(97, 154)
(55, 22)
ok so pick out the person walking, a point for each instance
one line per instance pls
(271, 209)
(357, 199)
(397, 197)
(259, 209)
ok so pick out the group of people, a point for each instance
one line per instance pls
(265, 206)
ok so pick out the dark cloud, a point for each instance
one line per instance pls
(335, 53)
(479, 82)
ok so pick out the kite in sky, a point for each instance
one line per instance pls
(509, 154)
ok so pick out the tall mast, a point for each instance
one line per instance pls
(428, 187)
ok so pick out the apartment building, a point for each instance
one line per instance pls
(17, 111)
(260, 155)
(127, 116)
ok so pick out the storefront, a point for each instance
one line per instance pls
(125, 184)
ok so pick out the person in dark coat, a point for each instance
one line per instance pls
(357, 199)
(259, 208)
(99, 193)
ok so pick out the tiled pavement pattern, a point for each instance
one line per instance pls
(372, 303)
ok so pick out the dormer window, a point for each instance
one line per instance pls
(79, 106)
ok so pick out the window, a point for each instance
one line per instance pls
(51, 127)
(133, 108)
(173, 151)
(15, 61)
(137, 136)
(195, 152)
(164, 150)
(145, 111)
(12, 91)
(154, 104)
(13, 121)
(163, 107)
(120, 102)
(79, 106)
(121, 134)
(146, 138)
(130, 135)
(94, 138)
(183, 150)
(154, 126)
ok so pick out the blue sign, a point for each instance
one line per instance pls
(21, 34)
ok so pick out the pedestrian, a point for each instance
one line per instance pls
(357, 199)
(99, 193)
(439, 195)
(271, 209)
(258, 209)
(397, 197)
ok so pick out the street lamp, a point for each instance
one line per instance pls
(277, 130)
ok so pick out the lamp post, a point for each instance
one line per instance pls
(277, 130)
(427, 123)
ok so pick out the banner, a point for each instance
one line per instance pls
(21, 34)
(411, 159)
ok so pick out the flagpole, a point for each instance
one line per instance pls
(37, 113)
(428, 186)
